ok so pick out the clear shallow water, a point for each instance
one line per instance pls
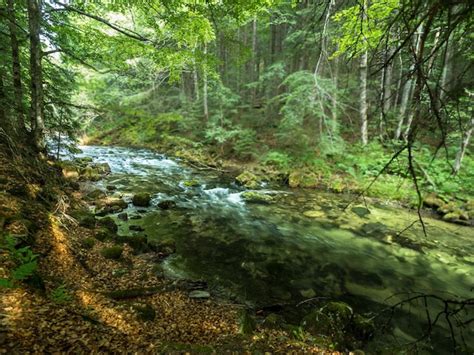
(274, 254)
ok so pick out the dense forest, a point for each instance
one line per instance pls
(247, 175)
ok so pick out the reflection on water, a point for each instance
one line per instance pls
(303, 244)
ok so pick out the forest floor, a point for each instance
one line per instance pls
(65, 302)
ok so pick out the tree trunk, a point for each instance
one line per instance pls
(386, 90)
(462, 149)
(363, 86)
(36, 73)
(408, 90)
(16, 68)
(195, 78)
(204, 88)
(363, 99)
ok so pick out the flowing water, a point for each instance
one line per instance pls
(263, 254)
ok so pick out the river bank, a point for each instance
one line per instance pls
(63, 290)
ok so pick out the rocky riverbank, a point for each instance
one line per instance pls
(72, 283)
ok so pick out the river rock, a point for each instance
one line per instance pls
(123, 216)
(199, 294)
(166, 204)
(433, 201)
(109, 223)
(111, 187)
(248, 180)
(314, 214)
(257, 197)
(136, 228)
(360, 211)
(141, 199)
(96, 194)
(84, 218)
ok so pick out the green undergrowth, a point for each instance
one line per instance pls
(349, 168)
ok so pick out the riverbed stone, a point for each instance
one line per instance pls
(248, 179)
(141, 199)
(96, 194)
(166, 204)
(360, 211)
(123, 216)
(257, 197)
(199, 294)
(314, 214)
(433, 201)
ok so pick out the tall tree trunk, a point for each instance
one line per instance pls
(36, 73)
(386, 89)
(4, 120)
(16, 67)
(204, 88)
(363, 86)
(446, 75)
(463, 147)
(363, 99)
(418, 53)
(254, 70)
(195, 78)
(408, 90)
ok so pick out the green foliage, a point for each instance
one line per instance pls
(24, 260)
(279, 160)
(60, 295)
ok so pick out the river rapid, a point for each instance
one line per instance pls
(303, 245)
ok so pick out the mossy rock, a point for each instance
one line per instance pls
(304, 179)
(103, 234)
(88, 243)
(111, 187)
(433, 201)
(455, 216)
(314, 214)
(85, 218)
(257, 197)
(191, 183)
(448, 207)
(113, 253)
(144, 311)
(248, 179)
(141, 199)
(96, 194)
(89, 173)
(166, 246)
(109, 223)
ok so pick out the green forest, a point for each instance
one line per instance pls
(241, 176)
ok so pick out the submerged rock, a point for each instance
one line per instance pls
(166, 204)
(314, 214)
(248, 180)
(123, 216)
(199, 294)
(141, 199)
(257, 197)
(360, 211)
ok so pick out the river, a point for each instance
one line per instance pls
(303, 245)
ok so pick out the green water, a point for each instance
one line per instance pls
(303, 245)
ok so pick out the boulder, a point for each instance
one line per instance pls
(141, 199)
(433, 201)
(248, 180)
(257, 197)
(103, 234)
(360, 211)
(123, 216)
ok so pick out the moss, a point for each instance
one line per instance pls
(103, 234)
(88, 243)
(138, 243)
(305, 179)
(191, 183)
(248, 180)
(247, 323)
(256, 197)
(113, 253)
(84, 217)
(108, 223)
